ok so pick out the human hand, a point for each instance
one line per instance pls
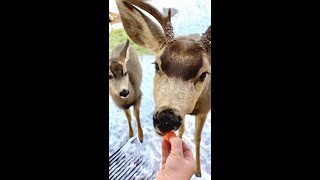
(177, 160)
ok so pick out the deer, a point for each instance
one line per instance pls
(182, 80)
(125, 76)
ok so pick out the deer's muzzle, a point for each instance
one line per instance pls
(166, 121)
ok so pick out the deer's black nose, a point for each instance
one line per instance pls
(166, 121)
(124, 93)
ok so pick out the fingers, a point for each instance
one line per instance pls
(179, 148)
(176, 146)
(165, 150)
(187, 153)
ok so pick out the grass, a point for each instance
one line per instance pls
(118, 36)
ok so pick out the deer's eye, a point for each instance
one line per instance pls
(203, 76)
(110, 77)
(156, 66)
(125, 73)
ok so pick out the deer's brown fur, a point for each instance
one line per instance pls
(125, 60)
(182, 82)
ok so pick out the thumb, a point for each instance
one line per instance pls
(176, 146)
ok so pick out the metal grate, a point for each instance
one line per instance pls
(121, 160)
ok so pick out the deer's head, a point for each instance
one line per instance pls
(182, 65)
(118, 76)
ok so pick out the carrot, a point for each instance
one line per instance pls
(168, 135)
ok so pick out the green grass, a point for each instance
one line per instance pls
(118, 36)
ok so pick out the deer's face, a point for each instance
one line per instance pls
(182, 64)
(182, 71)
(118, 79)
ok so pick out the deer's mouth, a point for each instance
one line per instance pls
(159, 132)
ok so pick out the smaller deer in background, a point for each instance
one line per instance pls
(125, 76)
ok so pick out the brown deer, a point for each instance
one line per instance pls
(182, 82)
(125, 76)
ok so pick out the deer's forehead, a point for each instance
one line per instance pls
(181, 60)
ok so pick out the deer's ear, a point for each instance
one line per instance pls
(140, 28)
(124, 53)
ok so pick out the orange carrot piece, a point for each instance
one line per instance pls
(169, 134)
